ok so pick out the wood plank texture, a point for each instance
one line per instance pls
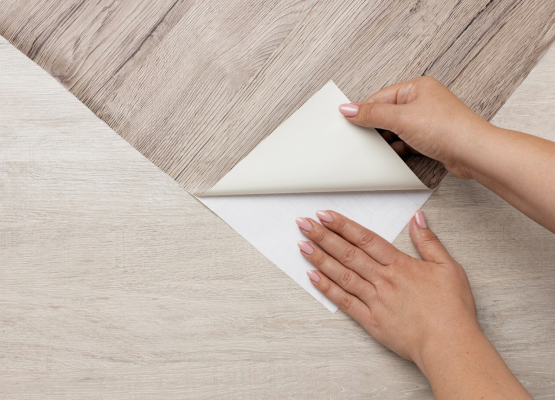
(116, 283)
(176, 60)
(195, 86)
(366, 45)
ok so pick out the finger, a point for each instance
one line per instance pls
(340, 249)
(426, 242)
(349, 304)
(389, 136)
(402, 149)
(384, 109)
(345, 277)
(372, 244)
(374, 115)
(399, 147)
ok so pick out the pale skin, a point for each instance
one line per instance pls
(424, 310)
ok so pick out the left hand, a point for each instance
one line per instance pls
(406, 304)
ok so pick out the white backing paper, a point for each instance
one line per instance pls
(268, 221)
(318, 150)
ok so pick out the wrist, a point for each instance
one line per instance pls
(446, 346)
(464, 364)
(471, 148)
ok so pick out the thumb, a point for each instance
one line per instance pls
(426, 242)
(373, 115)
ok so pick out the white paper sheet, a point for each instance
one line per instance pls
(317, 150)
(268, 221)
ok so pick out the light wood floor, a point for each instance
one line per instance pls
(116, 283)
(195, 85)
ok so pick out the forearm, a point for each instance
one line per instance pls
(518, 167)
(465, 365)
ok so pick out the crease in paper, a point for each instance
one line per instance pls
(318, 150)
(267, 219)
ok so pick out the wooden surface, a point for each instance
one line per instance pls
(196, 85)
(116, 283)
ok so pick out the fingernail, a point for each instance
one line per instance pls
(324, 216)
(304, 224)
(313, 275)
(420, 220)
(348, 110)
(305, 247)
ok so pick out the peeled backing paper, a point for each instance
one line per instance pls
(318, 150)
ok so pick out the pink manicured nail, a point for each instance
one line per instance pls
(420, 220)
(348, 110)
(324, 216)
(305, 247)
(313, 275)
(304, 224)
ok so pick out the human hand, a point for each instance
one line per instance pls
(404, 303)
(423, 310)
(422, 116)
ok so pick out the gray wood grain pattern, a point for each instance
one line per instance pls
(474, 47)
(116, 283)
(195, 86)
(147, 67)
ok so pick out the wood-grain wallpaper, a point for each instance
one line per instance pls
(196, 85)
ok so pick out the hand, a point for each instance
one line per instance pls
(423, 310)
(402, 302)
(421, 116)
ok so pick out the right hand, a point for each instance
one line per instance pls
(421, 116)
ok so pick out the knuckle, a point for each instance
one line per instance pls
(319, 259)
(396, 258)
(348, 255)
(368, 112)
(387, 276)
(377, 282)
(318, 235)
(346, 303)
(346, 277)
(324, 286)
(367, 239)
(340, 225)
(430, 239)
(374, 324)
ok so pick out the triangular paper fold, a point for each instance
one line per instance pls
(318, 150)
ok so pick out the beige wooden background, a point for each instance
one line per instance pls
(116, 283)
